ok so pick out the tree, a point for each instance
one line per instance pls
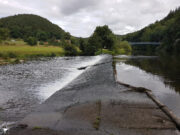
(82, 44)
(106, 35)
(164, 31)
(176, 46)
(101, 38)
(122, 47)
(16, 32)
(28, 25)
(94, 43)
(4, 33)
(67, 36)
(31, 41)
(70, 50)
(42, 36)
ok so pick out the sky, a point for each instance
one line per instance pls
(80, 17)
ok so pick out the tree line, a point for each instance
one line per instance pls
(103, 40)
(166, 31)
(28, 25)
(35, 30)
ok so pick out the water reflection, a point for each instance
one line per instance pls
(160, 74)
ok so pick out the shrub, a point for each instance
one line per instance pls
(70, 50)
(11, 55)
(31, 41)
(1, 54)
(104, 51)
(122, 47)
(52, 55)
(16, 61)
(41, 43)
(176, 46)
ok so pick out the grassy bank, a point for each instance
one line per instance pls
(15, 53)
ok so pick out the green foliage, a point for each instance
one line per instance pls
(106, 37)
(147, 50)
(37, 128)
(42, 36)
(75, 41)
(103, 41)
(11, 55)
(15, 32)
(28, 25)
(82, 44)
(122, 47)
(105, 51)
(166, 31)
(31, 41)
(102, 38)
(70, 50)
(67, 36)
(25, 51)
(4, 33)
(94, 43)
(176, 46)
(96, 123)
(41, 43)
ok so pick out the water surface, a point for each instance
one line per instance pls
(24, 86)
(159, 74)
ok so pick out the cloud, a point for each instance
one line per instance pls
(80, 17)
(73, 6)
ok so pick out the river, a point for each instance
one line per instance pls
(159, 74)
(24, 86)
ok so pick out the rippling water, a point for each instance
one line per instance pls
(24, 86)
(161, 75)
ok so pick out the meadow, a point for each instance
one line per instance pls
(19, 51)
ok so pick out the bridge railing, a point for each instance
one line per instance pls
(145, 43)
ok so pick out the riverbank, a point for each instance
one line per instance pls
(95, 104)
(20, 53)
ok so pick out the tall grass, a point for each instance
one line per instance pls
(25, 51)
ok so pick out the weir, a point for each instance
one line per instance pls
(95, 104)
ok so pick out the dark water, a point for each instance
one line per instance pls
(24, 86)
(159, 74)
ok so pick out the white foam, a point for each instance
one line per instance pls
(45, 91)
(5, 126)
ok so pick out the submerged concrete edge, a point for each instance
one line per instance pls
(165, 109)
(149, 93)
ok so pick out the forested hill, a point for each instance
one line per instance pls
(28, 25)
(166, 31)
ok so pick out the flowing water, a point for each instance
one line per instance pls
(24, 86)
(159, 74)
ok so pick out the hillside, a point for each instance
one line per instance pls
(28, 25)
(166, 31)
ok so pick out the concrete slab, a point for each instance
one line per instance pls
(117, 116)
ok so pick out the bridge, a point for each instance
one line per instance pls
(145, 43)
